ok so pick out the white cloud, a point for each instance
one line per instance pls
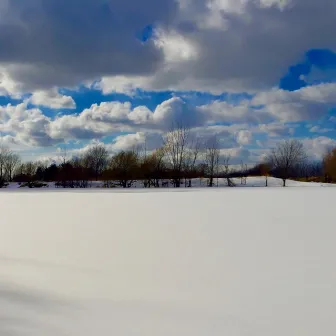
(52, 99)
(244, 120)
(244, 137)
(276, 130)
(28, 126)
(238, 45)
(214, 45)
(317, 147)
(319, 129)
(237, 155)
(309, 103)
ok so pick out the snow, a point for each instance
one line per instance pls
(198, 262)
(196, 183)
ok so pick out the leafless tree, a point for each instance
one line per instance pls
(30, 168)
(11, 163)
(96, 159)
(243, 168)
(264, 169)
(4, 153)
(176, 147)
(123, 167)
(63, 154)
(329, 166)
(226, 169)
(152, 168)
(212, 159)
(191, 157)
(285, 157)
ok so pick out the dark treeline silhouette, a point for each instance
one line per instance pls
(181, 159)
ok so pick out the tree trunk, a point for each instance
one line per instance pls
(284, 182)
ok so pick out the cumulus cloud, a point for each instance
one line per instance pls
(52, 99)
(266, 111)
(61, 43)
(139, 140)
(240, 45)
(319, 129)
(212, 45)
(244, 137)
(237, 124)
(243, 112)
(276, 130)
(27, 126)
(317, 147)
(308, 103)
(237, 155)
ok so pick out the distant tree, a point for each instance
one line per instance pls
(190, 162)
(80, 171)
(123, 167)
(152, 168)
(11, 162)
(244, 171)
(63, 154)
(26, 172)
(40, 173)
(264, 170)
(51, 173)
(226, 170)
(176, 144)
(285, 157)
(212, 159)
(4, 153)
(329, 166)
(96, 159)
(66, 175)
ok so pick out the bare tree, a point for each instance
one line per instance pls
(63, 154)
(243, 168)
(212, 159)
(226, 170)
(285, 157)
(4, 153)
(264, 170)
(190, 162)
(123, 167)
(96, 158)
(329, 166)
(8, 162)
(13, 160)
(176, 146)
(151, 168)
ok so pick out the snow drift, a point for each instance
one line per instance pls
(240, 261)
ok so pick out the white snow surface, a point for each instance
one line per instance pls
(198, 262)
(196, 183)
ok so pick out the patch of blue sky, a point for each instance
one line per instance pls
(300, 74)
(85, 97)
(5, 100)
(146, 34)
(203, 98)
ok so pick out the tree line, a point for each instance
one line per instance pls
(180, 159)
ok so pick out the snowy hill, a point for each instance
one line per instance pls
(242, 261)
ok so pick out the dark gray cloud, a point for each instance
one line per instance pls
(241, 45)
(214, 45)
(61, 42)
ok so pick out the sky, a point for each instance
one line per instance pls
(253, 72)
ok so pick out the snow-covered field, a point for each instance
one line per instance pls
(202, 262)
(196, 183)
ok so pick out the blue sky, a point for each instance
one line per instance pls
(119, 73)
